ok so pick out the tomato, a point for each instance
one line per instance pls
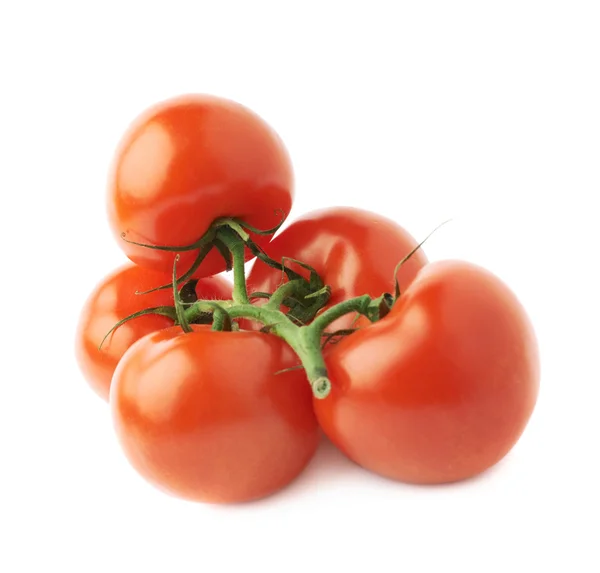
(205, 417)
(441, 388)
(186, 162)
(354, 251)
(114, 299)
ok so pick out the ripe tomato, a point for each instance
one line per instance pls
(354, 251)
(441, 388)
(188, 161)
(114, 299)
(204, 417)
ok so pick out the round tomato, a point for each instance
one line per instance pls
(186, 162)
(114, 299)
(205, 417)
(441, 388)
(354, 251)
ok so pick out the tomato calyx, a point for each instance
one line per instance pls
(179, 308)
(204, 245)
(168, 311)
(213, 238)
(380, 307)
(407, 257)
(231, 237)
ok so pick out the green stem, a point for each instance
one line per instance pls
(167, 311)
(304, 298)
(303, 341)
(200, 307)
(359, 304)
(236, 227)
(204, 250)
(221, 319)
(284, 291)
(236, 246)
(179, 308)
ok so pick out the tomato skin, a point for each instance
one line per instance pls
(114, 299)
(354, 251)
(188, 161)
(204, 417)
(442, 388)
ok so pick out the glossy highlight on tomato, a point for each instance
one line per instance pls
(113, 300)
(440, 389)
(354, 251)
(205, 417)
(188, 161)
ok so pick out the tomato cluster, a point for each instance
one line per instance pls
(421, 372)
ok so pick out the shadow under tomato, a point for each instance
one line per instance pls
(327, 467)
(330, 466)
(474, 481)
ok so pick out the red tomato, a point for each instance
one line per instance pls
(114, 299)
(354, 251)
(440, 389)
(204, 417)
(188, 161)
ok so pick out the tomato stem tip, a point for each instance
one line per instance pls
(321, 387)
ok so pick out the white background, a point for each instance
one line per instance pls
(484, 112)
